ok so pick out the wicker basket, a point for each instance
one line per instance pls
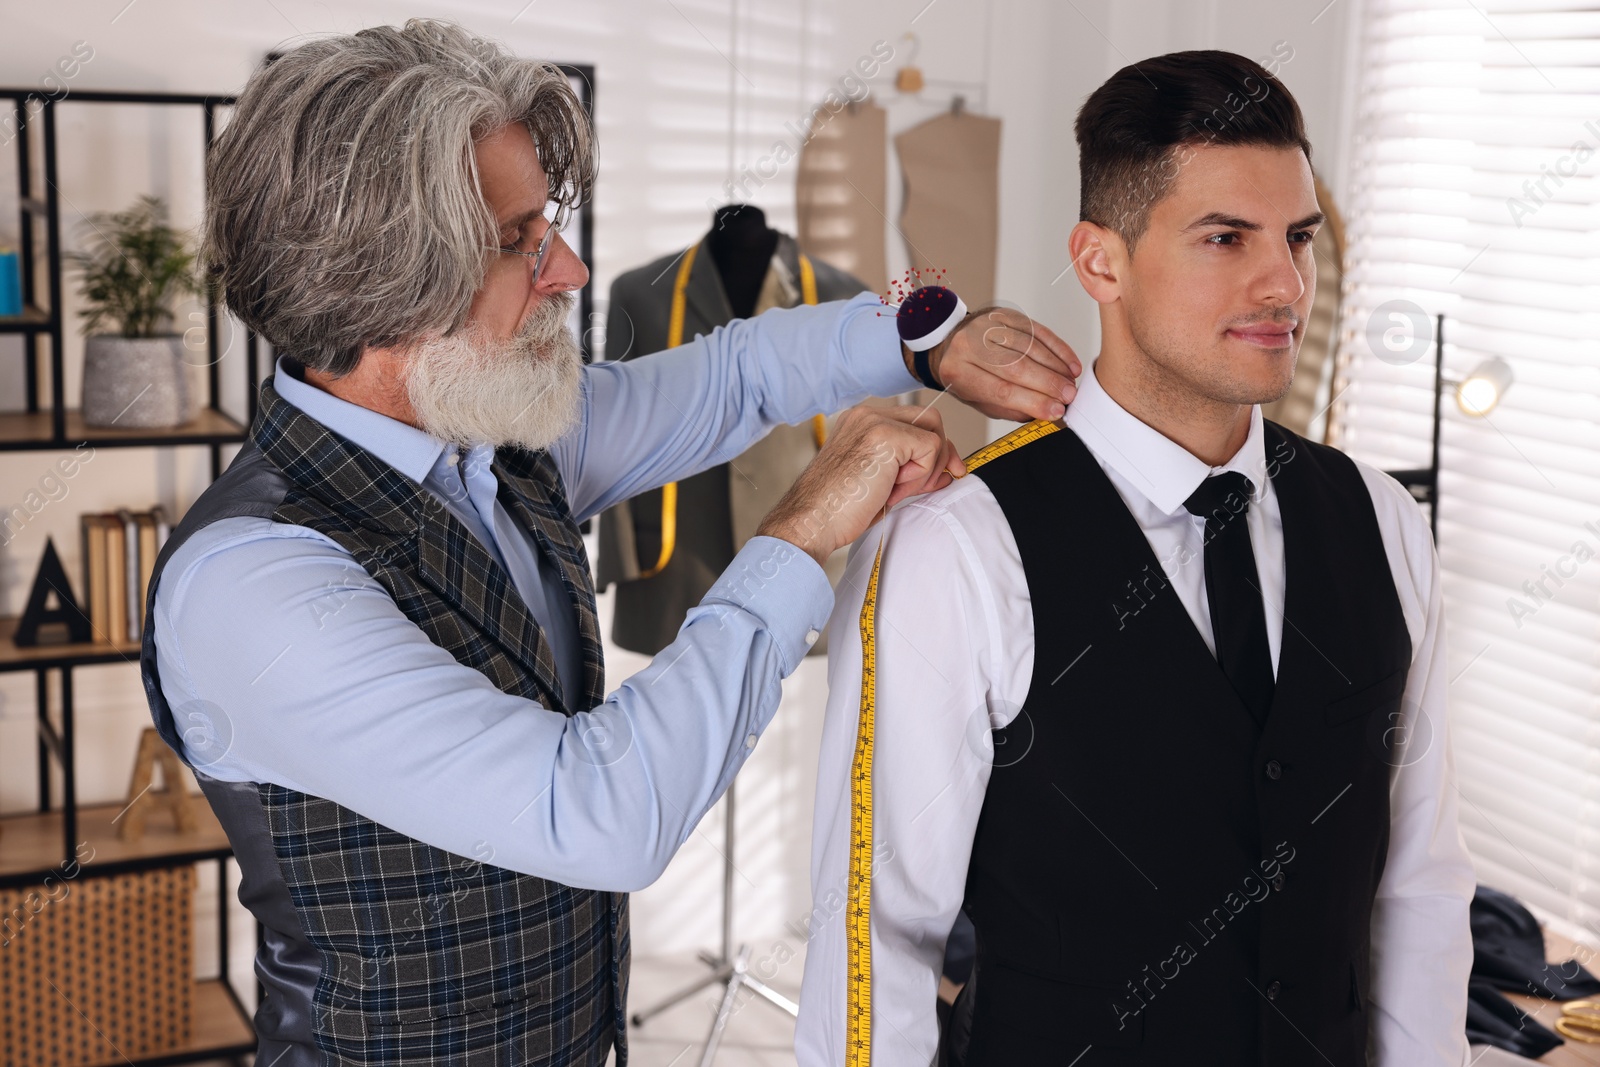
(96, 970)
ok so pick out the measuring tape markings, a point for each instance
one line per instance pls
(858, 901)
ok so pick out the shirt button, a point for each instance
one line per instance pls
(1279, 880)
(1274, 989)
(750, 742)
(1274, 769)
(453, 458)
(812, 635)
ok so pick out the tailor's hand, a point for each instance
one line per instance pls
(874, 458)
(1006, 365)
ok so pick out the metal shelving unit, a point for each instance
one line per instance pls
(55, 426)
(36, 844)
(29, 843)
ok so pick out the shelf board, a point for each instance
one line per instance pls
(71, 654)
(216, 1028)
(29, 431)
(32, 320)
(30, 844)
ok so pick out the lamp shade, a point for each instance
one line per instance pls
(1480, 391)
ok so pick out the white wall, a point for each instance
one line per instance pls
(663, 124)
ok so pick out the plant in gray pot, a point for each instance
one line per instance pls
(134, 266)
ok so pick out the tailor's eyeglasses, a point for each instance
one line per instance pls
(539, 255)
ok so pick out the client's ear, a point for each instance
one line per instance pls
(1096, 257)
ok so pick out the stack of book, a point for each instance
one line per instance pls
(119, 552)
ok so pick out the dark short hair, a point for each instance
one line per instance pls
(1133, 129)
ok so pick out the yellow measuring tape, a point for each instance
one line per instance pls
(808, 293)
(858, 899)
(669, 492)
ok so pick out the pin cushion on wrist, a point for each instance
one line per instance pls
(926, 319)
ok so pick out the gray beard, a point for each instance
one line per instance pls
(473, 389)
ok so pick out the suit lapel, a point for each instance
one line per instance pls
(335, 469)
(461, 571)
(789, 254)
(451, 561)
(527, 489)
(1298, 585)
(705, 295)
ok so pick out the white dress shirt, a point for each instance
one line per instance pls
(955, 659)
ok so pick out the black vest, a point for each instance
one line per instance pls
(1155, 879)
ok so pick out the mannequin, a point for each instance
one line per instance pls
(665, 547)
(741, 244)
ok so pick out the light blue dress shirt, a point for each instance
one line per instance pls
(315, 680)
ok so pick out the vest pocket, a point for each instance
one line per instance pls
(1380, 694)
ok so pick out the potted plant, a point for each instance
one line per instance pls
(134, 266)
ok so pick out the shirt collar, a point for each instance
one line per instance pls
(1162, 470)
(407, 449)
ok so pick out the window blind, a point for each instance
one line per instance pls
(1475, 193)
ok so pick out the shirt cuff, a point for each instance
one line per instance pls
(783, 587)
(873, 345)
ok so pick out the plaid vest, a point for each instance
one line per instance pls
(420, 956)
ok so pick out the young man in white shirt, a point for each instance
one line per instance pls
(1160, 689)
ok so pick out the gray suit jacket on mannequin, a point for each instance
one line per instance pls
(718, 509)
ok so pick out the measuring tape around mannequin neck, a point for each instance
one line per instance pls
(669, 492)
(858, 899)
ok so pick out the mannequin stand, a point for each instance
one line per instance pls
(728, 967)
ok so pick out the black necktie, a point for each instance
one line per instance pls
(1238, 619)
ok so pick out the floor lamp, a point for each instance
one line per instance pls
(1476, 395)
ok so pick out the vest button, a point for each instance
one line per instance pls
(1274, 989)
(1274, 769)
(1279, 880)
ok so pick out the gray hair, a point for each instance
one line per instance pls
(343, 203)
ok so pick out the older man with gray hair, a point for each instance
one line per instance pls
(374, 636)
